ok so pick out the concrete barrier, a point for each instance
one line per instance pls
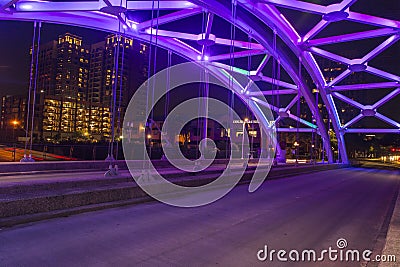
(27, 167)
(32, 201)
(16, 167)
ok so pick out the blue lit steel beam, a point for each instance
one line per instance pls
(348, 100)
(178, 15)
(178, 35)
(292, 103)
(229, 68)
(240, 54)
(298, 5)
(5, 4)
(373, 20)
(353, 121)
(302, 121)
(197, 37)
(382, 74)
(273, 92)
(329, 55)
(387, 120)
(257, 72)
(341, 7)
(315, 30)
(380, 48)
(346, 4)
(352, 37)
(206, 35)
(43, 6)
(295, 130)
(365, 86)
(339, 78)
(264, 104)
(291, 116)
(387, 98)
(371, 130)
(270, 80)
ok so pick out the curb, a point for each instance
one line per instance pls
(126, 195)
(392, 245)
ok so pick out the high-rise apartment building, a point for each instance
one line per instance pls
(47, 70)
(74, 87)
(127, 76)
(13, 109)
(12, 117)
(63, 69)
(72, 67)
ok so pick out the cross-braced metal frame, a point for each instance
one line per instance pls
(260, 21)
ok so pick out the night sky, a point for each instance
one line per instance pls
(14, 49)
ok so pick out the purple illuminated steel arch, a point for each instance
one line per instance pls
(253, 18)
(87, 14)
(306, 46)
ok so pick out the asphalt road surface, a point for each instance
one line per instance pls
(310, 211)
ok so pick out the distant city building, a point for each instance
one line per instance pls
(12, 117)
(192, 132)
(72, 68)
(74, 87)
(331, 70)
(63, 118)
(68, 100)
(132, 72)
(47, 67)
(63, 69)
(13, 109)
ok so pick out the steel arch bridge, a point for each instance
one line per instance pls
(265, 29)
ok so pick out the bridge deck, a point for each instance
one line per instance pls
(309, 211)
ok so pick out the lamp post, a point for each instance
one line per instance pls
(149, 140)
(312, 153)
(296, 145)
(244, 128)
(15, 123)
(252, 143)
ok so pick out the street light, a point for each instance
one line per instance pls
(296, 145)
(312, 153)
(149, 143)
(244, 126)
(15, 123)
(149, 140)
